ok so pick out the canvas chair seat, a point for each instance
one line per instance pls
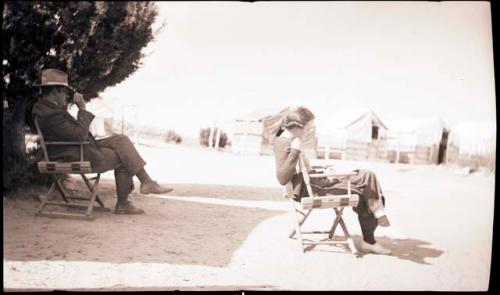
(57, 169)
(51, 167)
(338, 198)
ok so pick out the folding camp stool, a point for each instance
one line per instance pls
(308, 204)
(57, 170)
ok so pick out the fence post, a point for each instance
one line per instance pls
(217, 137)
(211, 137)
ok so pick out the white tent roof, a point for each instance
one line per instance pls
(474, 137)
(347, 117)
(420, 130)
(411, 125)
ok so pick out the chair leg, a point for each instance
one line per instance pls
(297, 226)
(338, 217)
(301, 221)
(93, 196)
(91, 187)
(60, 187)
(350, 242)
(56, 184)
(47, 198)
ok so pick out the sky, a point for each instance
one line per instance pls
(215, 61)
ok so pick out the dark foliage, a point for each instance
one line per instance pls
(173, 137)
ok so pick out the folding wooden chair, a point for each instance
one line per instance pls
(57, 170)
(308, 204)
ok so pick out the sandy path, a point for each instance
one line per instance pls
(268, 205)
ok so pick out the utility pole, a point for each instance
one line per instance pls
(217, 137)
(123, 118)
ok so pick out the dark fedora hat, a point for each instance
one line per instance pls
(54, 77)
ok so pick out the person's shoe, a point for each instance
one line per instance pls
(127, 208)
(152, 187)
(375, 248)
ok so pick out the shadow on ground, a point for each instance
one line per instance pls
(405, 249)
(171, 231)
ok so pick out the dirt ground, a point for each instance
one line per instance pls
(170, 232)
(225, 225)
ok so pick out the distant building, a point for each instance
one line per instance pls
(473, 144)
(352, 134)
(418, 141)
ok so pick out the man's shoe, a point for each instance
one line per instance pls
(127, 208)
(375, 248)
(152, 187)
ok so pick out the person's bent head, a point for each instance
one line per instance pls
(298, 121)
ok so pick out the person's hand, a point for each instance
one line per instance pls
(296, 144)
(79, 101)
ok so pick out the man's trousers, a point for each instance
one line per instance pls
(120, 155)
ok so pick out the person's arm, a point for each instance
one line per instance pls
(286, 160)
(65, 128)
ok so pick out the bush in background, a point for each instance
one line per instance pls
(205, 136)
(173, 136)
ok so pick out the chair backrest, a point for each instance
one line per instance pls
(55, 167)
(42, 140)
(288, 190)
(305, 175)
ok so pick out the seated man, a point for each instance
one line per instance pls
(115, 152)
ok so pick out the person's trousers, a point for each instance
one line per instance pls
(121, 156)
(366, 185)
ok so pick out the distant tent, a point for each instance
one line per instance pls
(425, 131)
(474, 137)
(357, 124)
(351, 133)
(419, 139)
(474, 145)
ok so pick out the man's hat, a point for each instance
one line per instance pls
(54, 77)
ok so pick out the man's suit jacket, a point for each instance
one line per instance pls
(59, 125)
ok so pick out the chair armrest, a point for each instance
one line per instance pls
(66, 142)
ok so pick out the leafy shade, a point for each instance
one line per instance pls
(98, 43)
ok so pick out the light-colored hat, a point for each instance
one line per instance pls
(54, 77)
